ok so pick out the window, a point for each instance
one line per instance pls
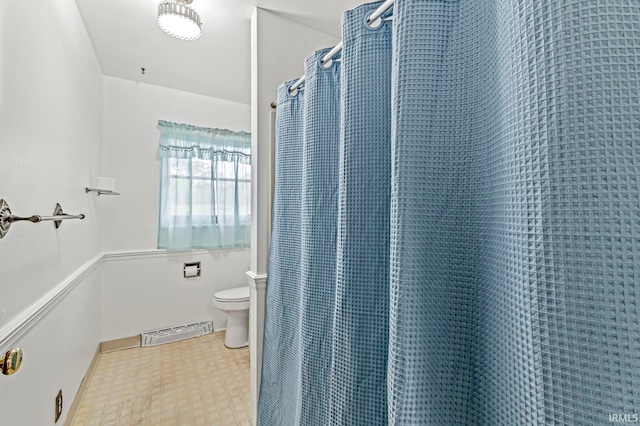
(205, 188)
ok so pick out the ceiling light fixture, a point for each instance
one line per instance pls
(179, 20)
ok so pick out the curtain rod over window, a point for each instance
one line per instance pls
(371, 20)
(188, 141)
(209, 130)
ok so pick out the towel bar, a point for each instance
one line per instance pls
(6, 218)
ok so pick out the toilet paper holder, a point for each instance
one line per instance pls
(188, 269)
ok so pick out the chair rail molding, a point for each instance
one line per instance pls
(257, 281)
(22, 323)
(159, 253)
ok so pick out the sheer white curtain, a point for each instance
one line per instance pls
(204, 187)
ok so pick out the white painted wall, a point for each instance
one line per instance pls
(50, 145)
(57, 352)
(146, 290)
(142, 292)
(50, 148)
(279, 47)
(56, 111)
(130, 154)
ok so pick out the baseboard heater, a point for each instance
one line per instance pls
(173, 334)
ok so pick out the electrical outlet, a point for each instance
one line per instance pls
(58, 405)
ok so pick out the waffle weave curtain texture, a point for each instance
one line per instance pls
(456, 222)
(205, 188)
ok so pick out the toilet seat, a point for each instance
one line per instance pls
(237, 294)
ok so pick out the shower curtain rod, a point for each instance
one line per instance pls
(333, 52)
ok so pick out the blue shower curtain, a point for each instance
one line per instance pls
(463, 242)
(282, 361)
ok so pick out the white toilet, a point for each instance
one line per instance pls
(235, 303)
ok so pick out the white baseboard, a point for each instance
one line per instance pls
(120, 344)
(77, 400)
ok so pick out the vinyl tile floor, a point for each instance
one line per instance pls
(195, 382)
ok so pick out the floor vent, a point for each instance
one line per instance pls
(173, 334)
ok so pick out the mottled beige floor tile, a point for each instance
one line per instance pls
(195, 382)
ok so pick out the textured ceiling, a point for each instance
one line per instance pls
(126, 37)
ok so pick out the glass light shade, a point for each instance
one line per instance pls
(179, 20)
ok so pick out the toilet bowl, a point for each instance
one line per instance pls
(235, 303)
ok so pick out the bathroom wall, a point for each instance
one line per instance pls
(143, 288)
(50, 148)
(61, 124)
